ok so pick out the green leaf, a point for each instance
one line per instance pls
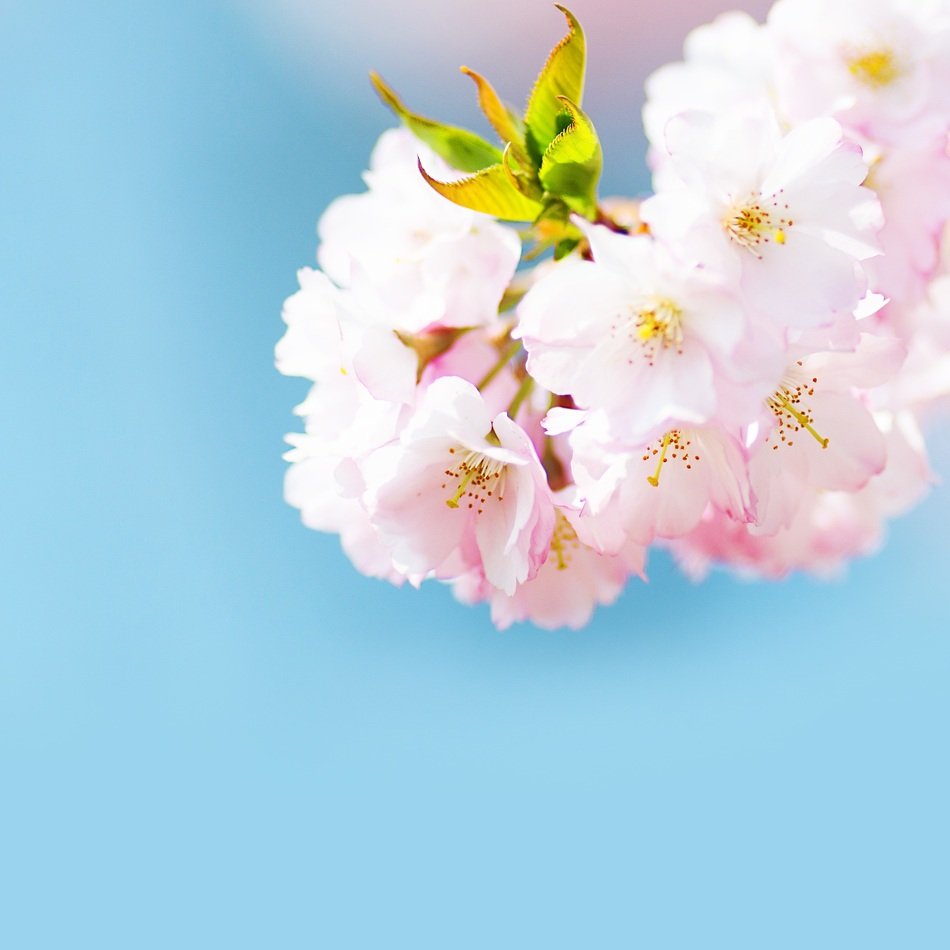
(563, 248)
(561, 76)
(491, 191)
(526, 182)
(572, 163)
(462, 149)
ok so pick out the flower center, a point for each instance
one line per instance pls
(675, 447)
(792, 415)
(876, 68)
(661, 323)
(479, 478)
(656, 326)
(750, 223)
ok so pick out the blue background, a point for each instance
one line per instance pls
(214, 733)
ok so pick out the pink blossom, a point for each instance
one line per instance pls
(882, 67)
(411, 257)
(344, 425)
(329, 336)
(923, 383)
(830, 527)
(633, 333)
(311, 484)
(822, 434)
(462, 491)
(783, 215)
(573, 580)
(727, 66)
(913, 185)
(475, 356)
(659, 489)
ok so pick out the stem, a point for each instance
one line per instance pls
(512, 296)
(557, 477)
(524, 390)
(503, 361)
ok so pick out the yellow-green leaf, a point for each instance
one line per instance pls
(572, 163)
(462, 149)
(526, 182)
(502, 119)
(561, 75)
(490, 191)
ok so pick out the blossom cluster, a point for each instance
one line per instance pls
(735, 367)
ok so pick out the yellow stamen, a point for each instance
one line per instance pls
(557, 547)
(564, 536)
(480, 477)
(756, 221)
(654, 479)
(657, 326)
(782, 404)
(664, 320)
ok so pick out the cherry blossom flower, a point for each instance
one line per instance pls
(822, 433)
(329, 336)
(660, 489)
(571, 583)
(411, 257)
(461, 490)
(633, 333)
(881, 67)
(923, 383)
(312, 486)
(830, 528)
(913, 185)
(784, 215)
(727, 67)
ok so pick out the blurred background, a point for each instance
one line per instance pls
(213, 732)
